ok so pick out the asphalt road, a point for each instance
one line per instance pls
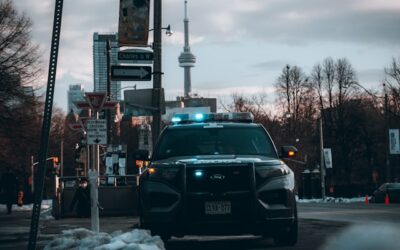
(318, 223)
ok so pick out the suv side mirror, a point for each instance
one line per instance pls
(288, 152)
(141, 155)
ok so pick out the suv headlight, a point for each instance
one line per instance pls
(272, 171)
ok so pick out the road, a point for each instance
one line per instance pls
(318, 222)
(352, 212)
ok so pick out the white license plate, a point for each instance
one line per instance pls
(217, 207)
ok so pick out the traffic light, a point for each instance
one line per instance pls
(56, 165)
(55, 161)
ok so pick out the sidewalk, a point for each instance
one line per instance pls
(14, 228)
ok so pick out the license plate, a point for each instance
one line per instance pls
(217, 207)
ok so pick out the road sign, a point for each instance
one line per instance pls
(96, 100)
(82, 105)
(109, 105)
(75, 126)
(140, 56)
(96, 132)
(130, 73)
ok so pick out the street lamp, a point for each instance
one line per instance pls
(167, 29)
(386, 112)
(321, 150)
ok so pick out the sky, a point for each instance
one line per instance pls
(241, 46)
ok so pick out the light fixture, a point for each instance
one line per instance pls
(167, 29)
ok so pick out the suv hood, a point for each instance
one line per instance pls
(220, 159)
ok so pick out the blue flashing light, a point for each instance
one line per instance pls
(199, 117)
(198, 173)
(176, 119)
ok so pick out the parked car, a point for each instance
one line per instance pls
(390, 189)
(218, 174)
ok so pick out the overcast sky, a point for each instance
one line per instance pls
(241, 45)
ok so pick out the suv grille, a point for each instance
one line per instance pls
(219, 178)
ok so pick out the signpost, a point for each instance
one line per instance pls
(130, 73)
(139, 56)
(96, 134)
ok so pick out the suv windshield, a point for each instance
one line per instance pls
(195, 141)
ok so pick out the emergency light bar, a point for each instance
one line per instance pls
(213, 117)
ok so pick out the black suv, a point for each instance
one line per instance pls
(218, 177)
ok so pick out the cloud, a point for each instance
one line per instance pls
(178, 38)
(272, 65)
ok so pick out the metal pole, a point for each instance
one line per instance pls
(62, 159)
(94, 192)
(388, 170)
(157, 71)
(108, 112)
(322, 171)
(33, 174)
(46, 125)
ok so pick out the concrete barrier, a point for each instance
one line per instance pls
(113, 201)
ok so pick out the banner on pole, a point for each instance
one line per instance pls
(328, 157)
(394, 142)
(133, 28)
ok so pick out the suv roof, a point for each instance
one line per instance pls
(212, 124)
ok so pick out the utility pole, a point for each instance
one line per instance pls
(321, 144)
(157, 71)
(33, 174)
(108, 112)
(388, 173)
(93, 180)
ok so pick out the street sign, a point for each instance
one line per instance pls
(394, 141)
(96, 132)
(82, 105)
(328, 157)
(109, 105)
(96, 100)
(130, 73)
(139, 56)
(75, 126)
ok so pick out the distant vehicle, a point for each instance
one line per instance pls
(390, 189)
(218, 174)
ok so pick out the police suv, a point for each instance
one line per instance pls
(218, 174)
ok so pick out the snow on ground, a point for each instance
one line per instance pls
(45, 212)
(82, 238)
(366, 237)
(333, 200)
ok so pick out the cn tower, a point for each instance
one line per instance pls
(187, 59)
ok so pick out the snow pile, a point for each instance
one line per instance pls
(82, 238)
(366, 237)
(333, 200)
(46, 205)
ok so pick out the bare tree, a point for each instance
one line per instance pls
(317, 79)
(18, 56)
(329, 77)
(345, 79)
(392, 81)
(19, 107)
(19, 60)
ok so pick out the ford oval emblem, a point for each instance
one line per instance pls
(217, 177)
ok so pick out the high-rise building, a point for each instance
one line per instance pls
(100, 63)
(76, 93)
